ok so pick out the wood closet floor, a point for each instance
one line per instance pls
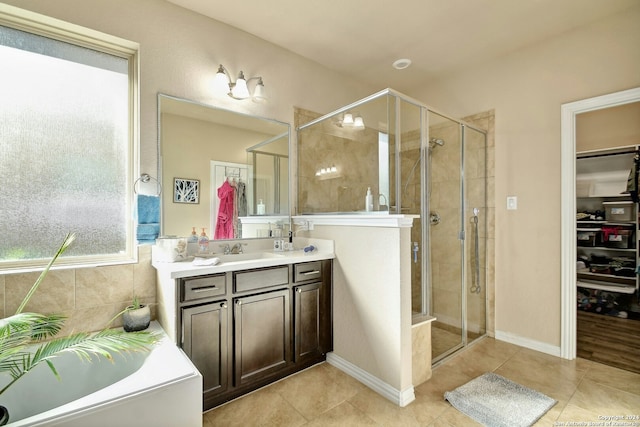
(609, 340)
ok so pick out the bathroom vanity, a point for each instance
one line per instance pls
(249, 320)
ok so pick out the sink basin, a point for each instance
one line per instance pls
(250, 256)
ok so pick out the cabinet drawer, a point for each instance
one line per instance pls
(263, 278)
(307, 271)
(203, 287)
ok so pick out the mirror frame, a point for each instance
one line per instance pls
(234, 117)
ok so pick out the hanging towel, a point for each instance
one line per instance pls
(632, 181)
(148, 218)
(224, 222)
(147, 233)
(242, 199)
(148, 209)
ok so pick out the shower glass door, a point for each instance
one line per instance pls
(444, 224)
(475, 184)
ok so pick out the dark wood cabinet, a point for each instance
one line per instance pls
(262, 343)
(307, 321)
(278, 322)
(204, 340)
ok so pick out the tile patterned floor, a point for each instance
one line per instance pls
(325, 396)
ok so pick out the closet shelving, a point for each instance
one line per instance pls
(608, 239)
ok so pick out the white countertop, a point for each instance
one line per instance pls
(324, 250)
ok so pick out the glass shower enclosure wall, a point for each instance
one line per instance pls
(420, 163)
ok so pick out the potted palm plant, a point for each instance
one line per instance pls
(22, 330)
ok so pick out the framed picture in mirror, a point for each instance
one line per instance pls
(186, 190)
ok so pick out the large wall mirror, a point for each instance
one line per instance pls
(222, 171)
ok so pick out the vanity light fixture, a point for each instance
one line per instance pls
(349, 121)
(327, 171)
(223, 85)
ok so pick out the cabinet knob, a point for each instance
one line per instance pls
(239, 302)
(223, 305)
(299, 290)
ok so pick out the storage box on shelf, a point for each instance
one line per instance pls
(619, 211)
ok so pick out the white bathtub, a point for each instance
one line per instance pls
(160, 388)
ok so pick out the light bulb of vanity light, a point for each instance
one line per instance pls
(259, 94)
(240, 89)
(358, 123)
(221, 82)
(347, 120)
(334, 169)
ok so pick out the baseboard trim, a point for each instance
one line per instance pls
(400, 398)
(528, 343)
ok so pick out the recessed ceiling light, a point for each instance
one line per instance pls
(401, 64)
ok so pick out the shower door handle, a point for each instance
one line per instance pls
(475, 285)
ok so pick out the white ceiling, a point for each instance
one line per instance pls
(362, 38)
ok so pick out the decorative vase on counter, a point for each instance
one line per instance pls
(136, 319)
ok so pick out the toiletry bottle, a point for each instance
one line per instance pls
(192, 242)
(203, 242)
(261, 209)
(368, 201)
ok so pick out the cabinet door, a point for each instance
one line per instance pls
(262, 335)
(307, 325)
(204, 340)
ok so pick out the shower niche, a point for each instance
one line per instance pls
(421, 164)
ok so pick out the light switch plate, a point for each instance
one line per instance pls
(512, 203)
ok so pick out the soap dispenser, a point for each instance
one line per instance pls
(203, 242)
(368, 201)
(192, 242)
(261, 208)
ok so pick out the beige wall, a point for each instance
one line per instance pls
(526, 89)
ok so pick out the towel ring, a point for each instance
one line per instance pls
(145, 177)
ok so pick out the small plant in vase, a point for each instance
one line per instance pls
(136, 317)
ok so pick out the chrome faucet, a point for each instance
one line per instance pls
(237, 248)
(226, 248)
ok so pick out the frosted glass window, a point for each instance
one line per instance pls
(65, 150)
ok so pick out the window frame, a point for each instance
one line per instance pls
(56, 29)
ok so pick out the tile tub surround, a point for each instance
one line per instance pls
(90, 297)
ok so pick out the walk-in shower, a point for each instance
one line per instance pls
(422, 164)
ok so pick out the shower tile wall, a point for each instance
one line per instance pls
(351, 151)
(446, 256)
(90, 297)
